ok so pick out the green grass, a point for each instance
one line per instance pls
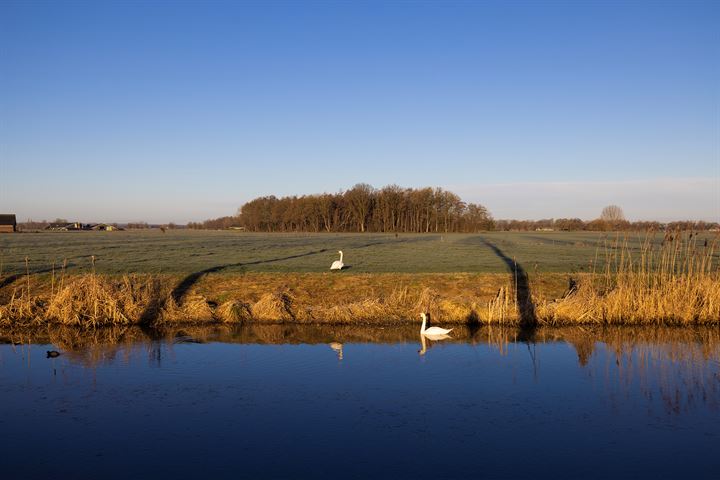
(182, 251)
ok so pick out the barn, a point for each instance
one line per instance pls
(64, 227)
(8, 224)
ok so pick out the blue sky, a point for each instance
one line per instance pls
(179, 111)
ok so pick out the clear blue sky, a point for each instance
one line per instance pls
(178, 111)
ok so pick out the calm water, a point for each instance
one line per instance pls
(276, 401)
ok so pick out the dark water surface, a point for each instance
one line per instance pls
(278, 401)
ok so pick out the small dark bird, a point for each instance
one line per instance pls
(53, 354)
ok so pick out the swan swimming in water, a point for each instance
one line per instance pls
(338, 264)
(432, 331)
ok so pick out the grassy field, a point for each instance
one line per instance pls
(184, 252)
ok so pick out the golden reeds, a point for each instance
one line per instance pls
(233, 311)
(675, 283)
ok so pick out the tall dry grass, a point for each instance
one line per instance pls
(677, 282)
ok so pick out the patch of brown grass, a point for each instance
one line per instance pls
(233, 311)
(274, 307)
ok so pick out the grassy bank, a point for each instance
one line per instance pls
(674, 283)
(97, 300)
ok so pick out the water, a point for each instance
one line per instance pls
(276, 401)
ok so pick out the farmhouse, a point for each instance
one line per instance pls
(64, 227)
(8, 224)
(101, 227)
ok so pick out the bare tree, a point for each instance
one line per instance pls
(612, 213)
(359, 200)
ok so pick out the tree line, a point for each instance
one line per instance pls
(406, 210)
(394, 209)
(612, 218)
(600, 225)
(360, 209)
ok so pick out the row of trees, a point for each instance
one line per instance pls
(599, 225)
(396, 209)
(360, 209)
(611, 218)
(222, 223)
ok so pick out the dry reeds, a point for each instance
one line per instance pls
(274, 307)
(674, 283)
(233, 311)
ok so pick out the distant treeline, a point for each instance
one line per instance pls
(394, 209)
(555, 224)
(360, 209)
(600, 225)
(407, 210)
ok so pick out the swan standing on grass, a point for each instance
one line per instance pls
(338, 264)
(432, 331)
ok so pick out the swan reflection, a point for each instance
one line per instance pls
(338, 347)
(424, 338)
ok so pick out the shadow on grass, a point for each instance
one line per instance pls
(178, 293)
(523, 295)
(12, 278)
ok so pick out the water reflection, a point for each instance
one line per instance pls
(426, 339)
(338, 348)
(680, 366)
(103, 344)
(275, 398)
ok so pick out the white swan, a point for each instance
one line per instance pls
(432, 331)
(338, 264)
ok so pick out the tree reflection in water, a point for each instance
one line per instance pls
(679, 367)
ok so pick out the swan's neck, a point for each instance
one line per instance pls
(341, 254)
(422, 328)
